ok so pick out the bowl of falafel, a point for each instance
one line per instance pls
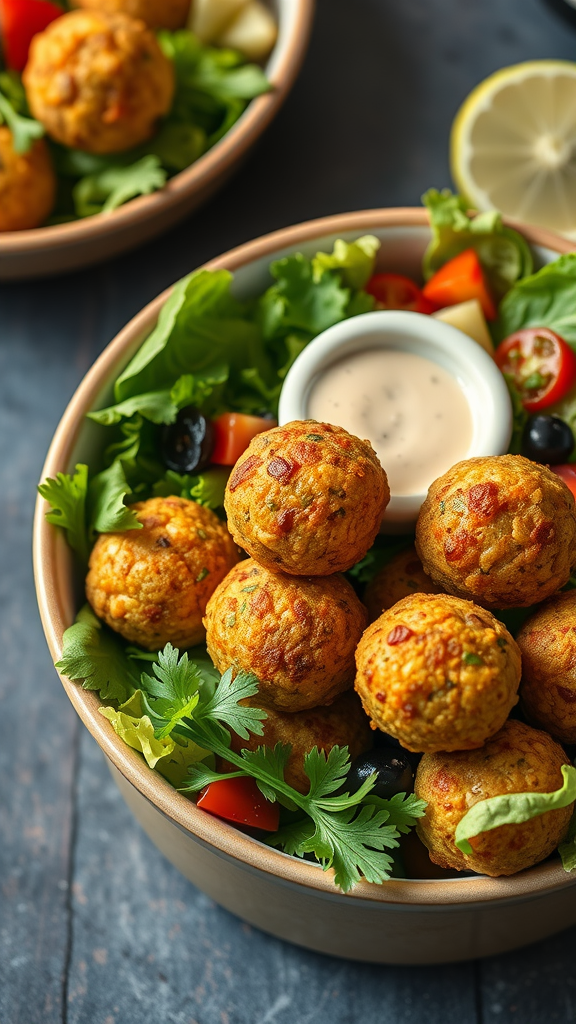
(120, 117)
(357, 740)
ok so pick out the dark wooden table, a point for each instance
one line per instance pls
(95, 927)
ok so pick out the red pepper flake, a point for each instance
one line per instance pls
(286, 520)
(456, 546)
(243, 470)
(307, 453)
(543, 533)
(398, 635)
(280, 469)
(483, 500)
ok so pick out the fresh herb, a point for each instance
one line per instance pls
(380, 554)
(95, 656)
(469, 658)
(25, 131)
(67, 497)
(513, 809)
(112, 187)
(202, 574)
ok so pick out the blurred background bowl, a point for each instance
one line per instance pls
(52, 250)
(414, 921)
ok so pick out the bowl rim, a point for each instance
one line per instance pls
(284, 64)
(52, 564)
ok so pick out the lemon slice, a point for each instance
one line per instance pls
(513, 144)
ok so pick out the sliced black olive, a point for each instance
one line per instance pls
(547, 439)
(187, 444)
(392, 766)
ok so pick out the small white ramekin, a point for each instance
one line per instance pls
(476, 372)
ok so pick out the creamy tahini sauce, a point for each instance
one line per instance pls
(413, 411)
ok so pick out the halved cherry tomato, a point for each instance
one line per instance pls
(568, 474)
(393, 291)
(20, 21)
(541, 364)
(240, 800)
(233, 432)
(460, 279)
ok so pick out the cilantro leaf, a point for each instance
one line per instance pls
(25, 131)
(113, 186)
(171, 694)
(95, 656)
(404, 809)
(326, 774)
(347, 841)
(67, 496)
(224, 706)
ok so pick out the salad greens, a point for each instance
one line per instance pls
(545, 299)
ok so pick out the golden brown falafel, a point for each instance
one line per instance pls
(547, 642)
(500, 531)
(402, 576)
(27, 184)
(342, 724)
(152, 585)
(171, 14)
(298, 636)
(437, 673)
(307, 499)
(518, 759)
(97, 81)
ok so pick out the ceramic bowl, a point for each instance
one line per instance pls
(476, 372)
(53, 250)
(402, 921)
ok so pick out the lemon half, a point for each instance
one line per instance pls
(513, 144)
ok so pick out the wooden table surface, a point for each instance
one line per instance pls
(95, 927)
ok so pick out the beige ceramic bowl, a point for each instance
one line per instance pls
(402, 921)
(52, 250)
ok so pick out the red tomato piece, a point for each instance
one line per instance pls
(459, 280)
(240, 800)
(541, 364)
(233, 432)
(21, 20)
(568, 474)
(393, 291)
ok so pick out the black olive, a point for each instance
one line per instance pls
(547, 439)
(395, 774)
(187, 444)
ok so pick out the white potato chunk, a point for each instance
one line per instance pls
(253, 31)
(209, 18)
(468, 318)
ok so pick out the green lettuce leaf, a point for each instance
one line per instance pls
(113, 186)
(67, 496)
(95, 656)
(546, 299)
(354, 259)
(567, 849)
(513, 809)
(163, 406)
(172, 759)
(503, 253)
(25, 131)
(108, 513)
(298, 301)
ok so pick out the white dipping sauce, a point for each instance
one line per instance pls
(413, 412)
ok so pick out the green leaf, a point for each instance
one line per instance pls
(113, 186)
(379, 555)
(25, 131)
(355, 260)
(513, 809)
(504, 254)
(178, 145)
(225, 707)
(163, 406)
(348, 841)
(546, 299)
(299, 302)
(108, 513)
(567, 849)
(403, 809)
(326, 773)
(67, 497)
(172, 759)
(172, 693)
(95, 656)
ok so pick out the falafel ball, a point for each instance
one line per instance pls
(152, 585)
(401, 576)
(547, 642)
(27, 184)
(499, 530)
(298, 636)
(438, 673)
(97, 81)
(342, 724)
(171, 14)
(518, 759)
(307, 498)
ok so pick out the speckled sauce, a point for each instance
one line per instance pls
(413, 412)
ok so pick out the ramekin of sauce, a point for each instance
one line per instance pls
(423, 393)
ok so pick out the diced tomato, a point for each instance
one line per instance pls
(20, 21)
(459, 280)
(393, 291)
(240, 800)
(541, 364)
(568, 474)
(233, 432)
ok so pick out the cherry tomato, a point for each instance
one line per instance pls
(21, 20)
(233, 432)
(568, 474)
(393, 291)
(541, 364)
(240, 800)
(459, 280)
